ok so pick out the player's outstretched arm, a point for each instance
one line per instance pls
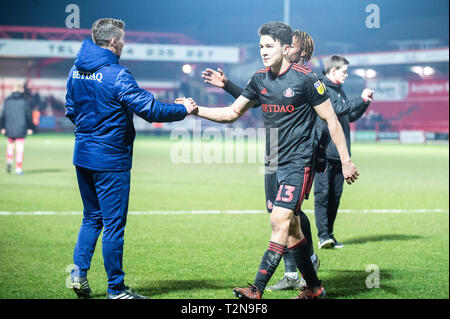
(227, 114)
(326, 113)
(143, 103)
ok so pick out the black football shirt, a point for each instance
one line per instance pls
(287, 102)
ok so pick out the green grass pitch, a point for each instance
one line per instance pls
(193, 256)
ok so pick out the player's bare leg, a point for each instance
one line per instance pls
(295, 232)
(280, 221)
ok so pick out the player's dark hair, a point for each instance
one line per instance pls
(278, 31)
(335, 61)
(306, 44)
(103, 30)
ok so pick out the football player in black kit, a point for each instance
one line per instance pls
(291, 97)
(301, 51)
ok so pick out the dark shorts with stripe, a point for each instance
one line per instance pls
(288, 187)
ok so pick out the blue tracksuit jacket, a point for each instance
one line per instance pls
(101, 99)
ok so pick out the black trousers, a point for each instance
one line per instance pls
(328, 188)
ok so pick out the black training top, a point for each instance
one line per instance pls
(287, 102)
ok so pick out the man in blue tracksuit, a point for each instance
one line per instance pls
(101, 99)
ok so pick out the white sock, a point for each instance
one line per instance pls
(292, 275)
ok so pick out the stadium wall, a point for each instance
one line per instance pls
(403, 111)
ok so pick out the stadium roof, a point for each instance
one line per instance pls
(63, 34)
(35, 51)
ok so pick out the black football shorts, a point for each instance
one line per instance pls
(288, 187)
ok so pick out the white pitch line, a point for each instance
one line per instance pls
(199, 212)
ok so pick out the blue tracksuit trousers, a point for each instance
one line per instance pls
(105, 198)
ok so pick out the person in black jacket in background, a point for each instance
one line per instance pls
(328, 185)
(16, 122)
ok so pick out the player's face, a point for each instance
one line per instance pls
(271, 51)
(341, 74)
(295, 51)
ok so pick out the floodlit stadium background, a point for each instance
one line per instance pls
(185, 212)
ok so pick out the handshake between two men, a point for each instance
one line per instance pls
(190, 105)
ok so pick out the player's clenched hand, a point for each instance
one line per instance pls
(216, 78)
(350, 172)
(189, 104)
(367, 94)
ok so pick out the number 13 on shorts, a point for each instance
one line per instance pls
(285, 193)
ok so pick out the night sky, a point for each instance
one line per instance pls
(235, 22)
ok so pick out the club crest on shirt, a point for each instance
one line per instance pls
(288, 92)
(319, 87)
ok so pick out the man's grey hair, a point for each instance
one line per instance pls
(103, 30)
(335, 61)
